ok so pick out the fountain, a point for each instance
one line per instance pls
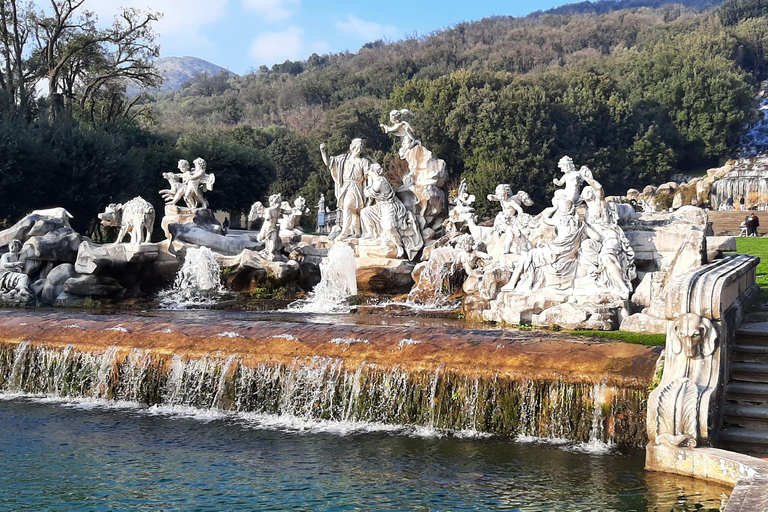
(338, 282)
(580, 263)
(197, 284)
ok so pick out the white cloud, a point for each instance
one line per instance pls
(179, 28)
(368, 30)
(273, 47)
(272, 10)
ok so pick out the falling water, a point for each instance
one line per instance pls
(755, 141)
(338, 282)
(323, 389)
(433, 286)
(197, 284)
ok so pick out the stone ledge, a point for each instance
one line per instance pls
(748, 475)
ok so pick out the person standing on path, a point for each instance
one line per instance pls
(755, 224)
(742, 205)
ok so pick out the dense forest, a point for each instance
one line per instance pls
(634, 92)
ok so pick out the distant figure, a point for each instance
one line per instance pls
(321, 215)
(743, 228)
(225, 226)
(730, 204)
(755, 224)
(748, 225)
(742, 204)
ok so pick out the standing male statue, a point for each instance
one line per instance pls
(348, 172)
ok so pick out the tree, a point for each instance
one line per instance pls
(73, 53)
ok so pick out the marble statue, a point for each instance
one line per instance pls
(136, 217)
(348, 171)
(14, 283)
(289, 222)
(571, 179)
(387, 220)
(462, 212)
(552, 265)
(422, 190)
(511, 220)
(269, 234)
(595, 249)
(689, 372)
(471, 260)
(321, 215)
(190, 184)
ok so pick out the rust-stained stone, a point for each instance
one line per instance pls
(536, 355)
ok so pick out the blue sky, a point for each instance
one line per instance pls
(243, 34)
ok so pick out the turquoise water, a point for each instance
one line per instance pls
(58, 455)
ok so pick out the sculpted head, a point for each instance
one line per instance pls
(275, 199)
(200, 163)
(183, 165)
(588, 194)
(502, 193)
(524, 198)
(356, 147)
(466, 243)
(14, 246)
(299, 202)
(566, 164)
(376, 170)
(693, 335)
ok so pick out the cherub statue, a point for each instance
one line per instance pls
(508, 220)
(571, 178)
(269, 233)
(469, 258)
(292, 215)
(189, 184)
(14, 283)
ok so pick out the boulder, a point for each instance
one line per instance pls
(384, 275)
(59, 245)
(577, 316)
(54, 284)
(94, 258)
(37, 223)
(92, 286)
(642, 323)
(201, 217)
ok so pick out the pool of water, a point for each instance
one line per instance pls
(57, 455)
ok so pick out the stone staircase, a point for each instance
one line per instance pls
(745, 415)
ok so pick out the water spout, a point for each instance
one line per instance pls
(197, 284)
(338, 282)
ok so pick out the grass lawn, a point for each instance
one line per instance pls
(654, 340)
(757, 246)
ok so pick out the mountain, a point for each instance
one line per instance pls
(177, 70)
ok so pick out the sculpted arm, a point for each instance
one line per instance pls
(324, 154)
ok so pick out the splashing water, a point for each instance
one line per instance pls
(198, 282)
(433, 287)
(338, 282)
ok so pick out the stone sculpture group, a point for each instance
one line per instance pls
(573, 264)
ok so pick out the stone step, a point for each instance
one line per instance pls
(745, 440)
(753, 333)
(747, 416)
(749, 372)
(747, 392)
(750, 353)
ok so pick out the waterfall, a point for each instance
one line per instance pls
(324, 389)
(197, 284)
(338, 282)
(434, 281)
